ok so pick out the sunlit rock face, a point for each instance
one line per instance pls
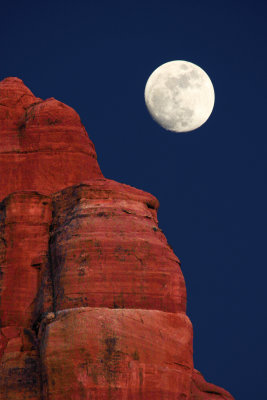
(92, 297)
(118, 354)
(43, 144)
(107, 251)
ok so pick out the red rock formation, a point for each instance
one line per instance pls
(202, 390)
(20, 373)
(25, 220)
(118, 354)
(92, 297)
(119, 258)
(44, 146)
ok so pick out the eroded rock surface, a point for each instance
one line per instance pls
(117, 354)
(202, 390)
(107, 250)
(92, 297)
(20, 371)
(43, 146)
(25, 218)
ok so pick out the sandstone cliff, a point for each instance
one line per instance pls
(92, 297)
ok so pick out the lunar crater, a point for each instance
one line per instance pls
(184, 81)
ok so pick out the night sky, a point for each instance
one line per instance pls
(96, 57)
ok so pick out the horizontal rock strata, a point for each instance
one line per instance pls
(92, 297)
(107, 250)
(117, 354)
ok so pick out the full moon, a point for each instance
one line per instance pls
(179, 96)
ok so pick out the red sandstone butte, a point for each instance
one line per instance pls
(92, 297)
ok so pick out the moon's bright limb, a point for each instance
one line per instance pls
(179, 96)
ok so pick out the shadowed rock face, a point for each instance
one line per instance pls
(25, 218)
(92, 297)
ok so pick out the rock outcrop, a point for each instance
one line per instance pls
(44, 146)
(92, 297)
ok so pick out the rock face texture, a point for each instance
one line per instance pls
(44, 146)
(119, 258)
(118, 354)
(92, 297)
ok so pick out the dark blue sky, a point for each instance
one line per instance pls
(96, 57)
